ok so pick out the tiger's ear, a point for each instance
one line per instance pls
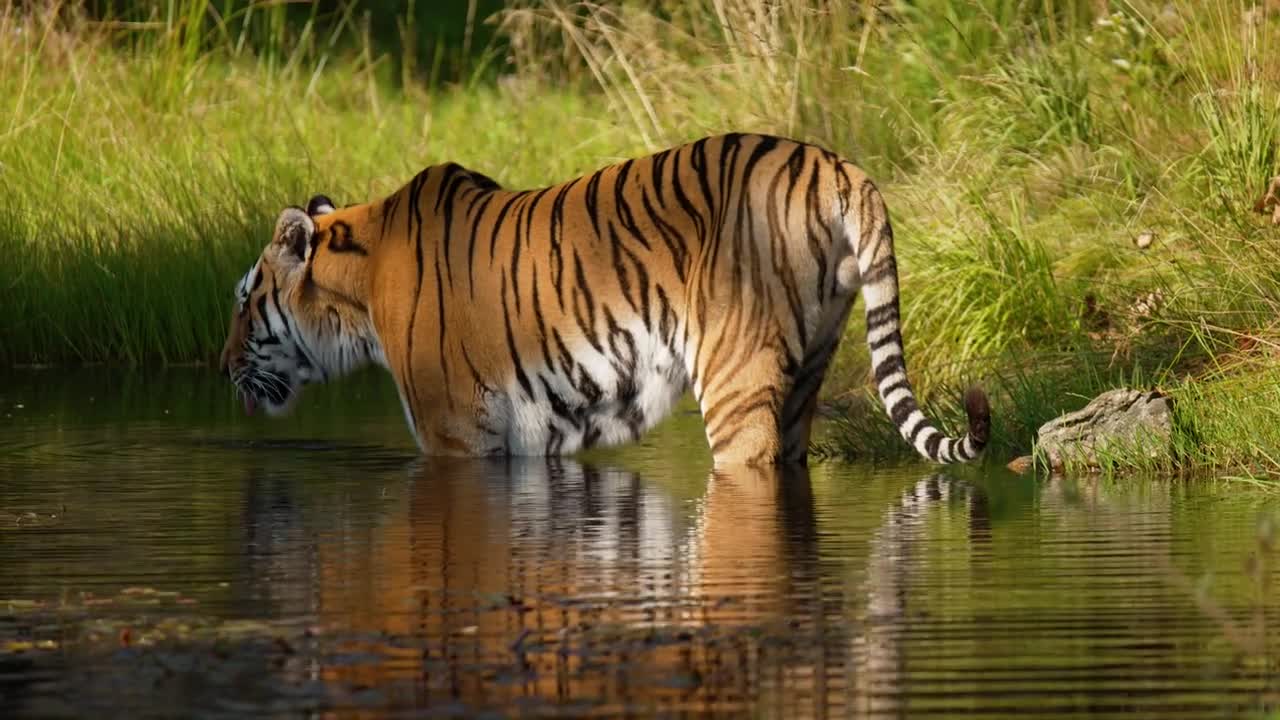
(293, 234)
(319, 205)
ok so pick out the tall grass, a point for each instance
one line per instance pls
(1023, 147)
(141, 181)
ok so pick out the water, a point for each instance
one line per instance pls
(161, 555)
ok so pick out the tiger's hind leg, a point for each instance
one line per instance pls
(763, 414)
(742, 409)
(801, 403)
(799, 408)
(758, 405)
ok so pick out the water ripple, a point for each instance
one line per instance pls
(216, 566)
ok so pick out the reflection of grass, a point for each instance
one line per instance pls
(1021, 146)
(143, 649)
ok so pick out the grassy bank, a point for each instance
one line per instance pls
(1029, 152)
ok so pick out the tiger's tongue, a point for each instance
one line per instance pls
(249, 404)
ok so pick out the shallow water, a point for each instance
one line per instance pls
(161, 555)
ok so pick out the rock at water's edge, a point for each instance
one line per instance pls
(1021, 464)
(1134, 420)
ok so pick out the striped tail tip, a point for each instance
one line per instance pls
(978, 409)
(947, 450)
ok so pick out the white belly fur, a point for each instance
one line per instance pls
(659, 381)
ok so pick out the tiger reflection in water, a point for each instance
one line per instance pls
(493, 583)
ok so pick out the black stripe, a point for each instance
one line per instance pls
(877, 316)
(414, 215)
(622, 209)
(729, 151)
(566, 358)
(497, 225)
(588, 386)
(341, 240)
(816, 249)
(893, 337)
(844, 184)
(889, 366)
(471, 244)
(556, 229)
(451, 173)
(766, 145)
(583, 290)
(670, 236)
(558, 404)
(879, 270)
(902, 409)
(524, 223)
(699, 223)
(389, 207)
(592, 200)
(666, 318)
(921, 427)
(624, 279)
(627, 361)
(475, 374)
(698, 159)
(484, 182)
(444, 357)
(485, 195)
(659, 162)
(931, 445)
(555, 441)
(542, 326)
(266, 322)
(275, 303)
(779, 238)
(450, 185)
(642, 291)
(897, 385)
(511, 343)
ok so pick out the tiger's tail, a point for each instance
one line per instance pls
(878, 272)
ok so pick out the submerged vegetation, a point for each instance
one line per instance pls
(1072, 183)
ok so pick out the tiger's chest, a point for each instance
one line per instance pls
(603, 393)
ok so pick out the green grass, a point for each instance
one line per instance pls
(1022, 148)
(133, 201)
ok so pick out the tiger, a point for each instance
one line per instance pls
(545, 321)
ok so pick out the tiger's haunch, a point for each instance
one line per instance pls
(539, 322)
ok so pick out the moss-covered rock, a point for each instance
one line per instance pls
(1134, 424)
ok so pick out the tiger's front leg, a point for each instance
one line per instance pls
(465, 425)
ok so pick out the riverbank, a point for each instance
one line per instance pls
(1071, 185)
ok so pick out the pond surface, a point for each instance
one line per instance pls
(162, 555)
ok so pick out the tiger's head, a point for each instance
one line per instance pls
(288, 328)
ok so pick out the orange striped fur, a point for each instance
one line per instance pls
(538, 322)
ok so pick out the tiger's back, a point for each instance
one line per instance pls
(543, 321)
